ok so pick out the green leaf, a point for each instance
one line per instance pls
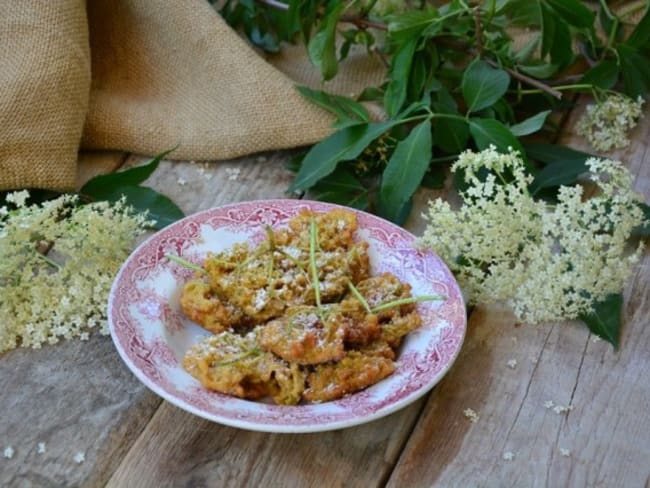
(343, 145)
(563, 165)
(435, 177)
(636, 71)
(264, 40)
(412, 23)
(405, 171)
(344, 108)
(371, 94)
(100, 185)
(530, 125)
(605, 320)
(556, 38)
(641, 33)
(552, 153)
(400, 69)
(451, 135)
(574, 12)
(483, 85)
(322, 47)
(142, 199)
(539, 70)
(603, 75)
(522, 13)
(488, 132)
(556, 174)
(341, 187)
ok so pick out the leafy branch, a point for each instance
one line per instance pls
(455, 80)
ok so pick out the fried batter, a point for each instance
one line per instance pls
(265, 281)
(297, 351)
(394, 331)
(200, 304)
(353, 373)
(305, 336)
(235, 365)
(335, 230)
(361, 327)
(385, 288)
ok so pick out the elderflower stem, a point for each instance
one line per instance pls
(359, 297)
(406, 301)
(54, 264)
(576, 86)
(313, 237)
(184, 262)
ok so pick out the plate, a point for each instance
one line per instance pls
(151, 333)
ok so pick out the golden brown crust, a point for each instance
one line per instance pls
(394, 331)
(200, 304)
(305, 336)
(336, 348)
(235, 365)
(354, 372)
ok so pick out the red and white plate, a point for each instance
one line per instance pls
(151, 333)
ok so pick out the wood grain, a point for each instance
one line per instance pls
(75, 397)
(606, 434)
(200, 185)
(179, 449)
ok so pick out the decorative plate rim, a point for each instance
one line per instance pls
(148, 351)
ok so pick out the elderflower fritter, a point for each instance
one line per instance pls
(546, 262)
(606, 124)
(57, 264)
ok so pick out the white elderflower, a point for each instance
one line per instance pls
(79, 457)
(546, 262)
(560, 409)
(8, 452)
(606, 124)
(471, 415)
(508, 456)
(57, 263)
(233, 173)
(41, 448)
(18, 198)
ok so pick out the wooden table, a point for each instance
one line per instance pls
(78, 397)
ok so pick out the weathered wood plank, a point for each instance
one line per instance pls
(197, 186)
(179, 449)
(607, 433)
(75, 397)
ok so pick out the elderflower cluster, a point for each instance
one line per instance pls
(607, 123)
(57, 264)
(547, 262)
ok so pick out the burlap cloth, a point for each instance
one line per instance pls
(164, 74)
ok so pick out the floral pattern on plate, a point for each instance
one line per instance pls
(151, 333)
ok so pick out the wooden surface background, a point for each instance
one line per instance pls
(78, 397)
